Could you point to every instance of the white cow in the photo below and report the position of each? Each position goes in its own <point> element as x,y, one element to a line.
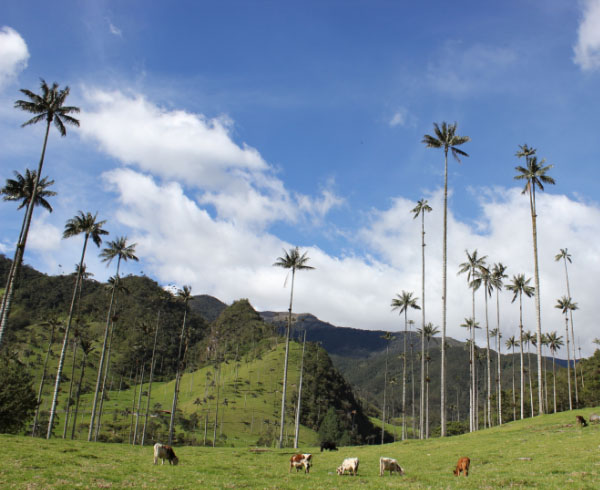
<point>300,461</point>
<point>389,464</point>
<point>162,451</point>
<point>350,465</point>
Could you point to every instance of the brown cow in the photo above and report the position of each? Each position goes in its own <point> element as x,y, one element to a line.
<point>300,461</point>
<point>162,451</point>
<point>462,466</point>
<point>581,421</point>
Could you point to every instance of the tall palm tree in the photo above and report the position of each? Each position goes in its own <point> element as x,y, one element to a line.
<point>555,342</point>
<point>565,304</point>
<point>519,286</point>
<point>21,189</point>
<point>403,302</point>
<point>565,256</point>
<point>48,106</point>
<point>534,173</point>
<point>184,295</point>
<point>446,138</point>
<point>388,338</point>
<point>511,343</point>
<point>471,267</point>
<point>87,224</point>
<point>123,252</point>
<point>485,276</point>
<point>529,338</point>
<point>53,323</point>
<point>295,261</point>
<point>421,208</point>
<point>497,281</point>
<point>428,332</point>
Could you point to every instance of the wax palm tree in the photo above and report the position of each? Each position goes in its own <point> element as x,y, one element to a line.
<point>421,208</point>
<point>403,302</point>
<point>295,261</point>
<point>535,175</point>
<point>446,138</point>
<point>184,295</point>
<point>87,224</point>
<point>49,107</point>
<point>471,267</point>
<point>427,332</point>
<point>530,339</point>
<point>555,342</point>
<point>519,286</point>
<point>497,281</point>
<point>52,323</point>
<point>120,250</point>
<point>565,256</point>
<point>565,304</point>
<point>511,343</point>
<point>21,189</point>
<point>484,275</point>
<point>388,337</point>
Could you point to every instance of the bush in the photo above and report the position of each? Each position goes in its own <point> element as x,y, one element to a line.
<point>17,396</point>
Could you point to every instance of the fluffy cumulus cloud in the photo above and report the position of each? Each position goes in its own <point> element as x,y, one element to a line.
<point>587,49</point>
<point>13,55</point>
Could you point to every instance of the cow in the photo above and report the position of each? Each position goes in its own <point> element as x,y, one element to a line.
<point>390,464</point>
<point>163,452</point>
<point>330,446</point>
<point>462,466</point>
<point>300,461</point>
<point>581,421</point>
<point>350,465</point>
<point>594,418</point>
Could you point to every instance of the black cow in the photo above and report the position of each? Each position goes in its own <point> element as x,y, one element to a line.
<point>330,446</point>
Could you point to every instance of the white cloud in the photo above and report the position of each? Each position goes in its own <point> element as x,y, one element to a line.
<point>114,30</point>
<point>43,236</point>
<point>13,55</point>
<point>587,49</point>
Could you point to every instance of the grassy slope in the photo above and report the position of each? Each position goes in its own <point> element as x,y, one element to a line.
<point>545,452</point>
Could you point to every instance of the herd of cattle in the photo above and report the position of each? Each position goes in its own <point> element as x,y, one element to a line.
<point>304,462</point>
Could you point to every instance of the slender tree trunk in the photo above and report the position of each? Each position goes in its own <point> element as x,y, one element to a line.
<point>412,383</point>
<point>83,361</point>
<point>137,410</point>
<point>101,363</point>
<point>297,431</point>
<point>384,397</point>
<point>177,378</point>
<point>403,376</point>
<point>537,298</point>
<point>218,376</point>
<point>513,385</point>
<point>572,335</point>
<point>499,347</point>
<point>70,389</point>
<point>285,365</point>
<point>422,398</point>
<point>42,381</point>
<point>554,377</point>
<point>427,396</point>
<point>546,385</point>
<point>151,377</point>
<point>134,390</point>
<point>489,369</point>
<point>444,271</point>
<point>20,250</point>
<point>105,377</point>
<point>529,376</point>
<point>568,362</point>
<point>63,352</point>
<point>521,348</point>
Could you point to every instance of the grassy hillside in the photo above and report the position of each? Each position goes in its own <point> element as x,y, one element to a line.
<point>545,452</point>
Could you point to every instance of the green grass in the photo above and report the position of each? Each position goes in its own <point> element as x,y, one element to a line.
<point>545,452</point>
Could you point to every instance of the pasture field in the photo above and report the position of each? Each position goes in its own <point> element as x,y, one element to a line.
<point>550,451</point>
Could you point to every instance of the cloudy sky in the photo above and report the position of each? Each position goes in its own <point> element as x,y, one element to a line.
<point>215,135</point>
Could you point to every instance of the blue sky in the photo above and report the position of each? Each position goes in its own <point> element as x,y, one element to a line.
<point>215,134</point>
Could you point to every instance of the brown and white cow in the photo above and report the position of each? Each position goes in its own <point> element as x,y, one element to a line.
<point>300,461</point>
<point>163,452</point>
<point>350,465</point>
<point>462,466</point>
<point>389,464</point>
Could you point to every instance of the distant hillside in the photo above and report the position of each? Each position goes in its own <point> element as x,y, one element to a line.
<point>208,307</point>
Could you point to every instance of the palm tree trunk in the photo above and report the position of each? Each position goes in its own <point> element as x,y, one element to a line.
<point>529,376</point>
<point>131,441</point>
<point>537,298</point>
<point>65,341</point>
<point>83,361</point>
<point>151,377</point>
<point>70,388</point>
<point>444,270</point>
<point>102,355</point>
<point>572,335</point>
<point>403,377</point>
<point>554,377</point>
<point>499,347</point>
<point>422,398</point>
<point>285,365</point>
<point>20,250</point>
<point>105,377</point>
<point>137,410</point>
<point>218,376</point>
<point>177,379</point>
<point>42,381</point>
<point>427,396</point>
<point>489,370</point>
<point>521,348</point>
<point>513,385</point>
<point>297,431</point>
<point>412,383</point>
<point>384,396</point>
<point>546,385</point>
<point>568,362</point>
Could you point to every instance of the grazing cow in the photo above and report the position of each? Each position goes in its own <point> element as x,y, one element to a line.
<point>330,446</point>
<point>350,465</point>
<point>390,464</point>
<point>462,466</point>
<point>163,452</point>
<point>581,421</point>
<point>594,418</point>
<point>300,461</point>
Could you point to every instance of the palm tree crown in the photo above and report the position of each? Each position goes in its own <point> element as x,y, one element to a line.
<point>446,138</point>
<point>565,304</point>
<point>21,189</point>
<point>563,254</point>
<point>85,223</point>
<point>49,106</point>
<point>118,248</point>
<point>293,260</point>
<point>421,208</point>
<point>405,301</point>
<point>519,286</point>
